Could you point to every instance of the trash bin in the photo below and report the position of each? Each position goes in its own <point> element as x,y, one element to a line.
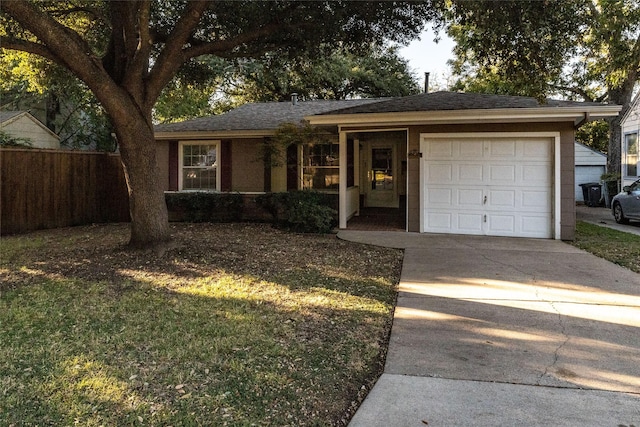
<point>592,193</point>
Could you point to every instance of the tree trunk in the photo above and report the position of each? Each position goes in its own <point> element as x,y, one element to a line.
<point>614,153</point>
<point>147,206</point>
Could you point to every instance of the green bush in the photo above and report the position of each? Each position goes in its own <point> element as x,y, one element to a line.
<point>10,141</point>
<point>206,206</point>
<point>300,211</point>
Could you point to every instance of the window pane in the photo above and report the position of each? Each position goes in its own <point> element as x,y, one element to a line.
<point>186,155</point>
<point>631,154</point>
<point>320,166</point>
<point>199,167</point>
<point>320,178</point>
<point>321,155</point>
<point>381,162</point>
<point>198,179</point>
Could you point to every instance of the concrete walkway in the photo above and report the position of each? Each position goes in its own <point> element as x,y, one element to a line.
<point>502,332</point>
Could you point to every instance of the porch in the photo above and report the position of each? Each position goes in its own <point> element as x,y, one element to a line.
<point>372,194</point>
<point>379,219</point>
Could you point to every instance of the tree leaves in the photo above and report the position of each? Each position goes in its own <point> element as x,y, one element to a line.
<point>586,50</point>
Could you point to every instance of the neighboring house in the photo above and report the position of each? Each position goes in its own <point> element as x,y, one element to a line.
<point>630,133</point>
<point>590,166</point>
<point>450,162</point>
<point>21,124</point>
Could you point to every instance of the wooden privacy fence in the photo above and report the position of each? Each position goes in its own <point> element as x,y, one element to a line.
<point>50,189</point>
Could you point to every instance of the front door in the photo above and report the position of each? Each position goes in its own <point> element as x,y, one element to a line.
<point>382,188</point>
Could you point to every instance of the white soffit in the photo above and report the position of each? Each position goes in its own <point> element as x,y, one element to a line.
<point>507,115</point>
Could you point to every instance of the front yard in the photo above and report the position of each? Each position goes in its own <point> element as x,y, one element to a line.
<point>237,325</point>
<point>615,246</point>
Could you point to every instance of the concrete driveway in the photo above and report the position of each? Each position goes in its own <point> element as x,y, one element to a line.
<point>502,332</point>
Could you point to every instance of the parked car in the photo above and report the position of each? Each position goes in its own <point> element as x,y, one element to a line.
<point>626,205</point>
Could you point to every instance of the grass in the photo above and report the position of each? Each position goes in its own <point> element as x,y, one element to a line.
<point>238,325</point>
<point>613,245</point>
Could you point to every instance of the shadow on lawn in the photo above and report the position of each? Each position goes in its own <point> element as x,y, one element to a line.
<point>282,329</point>
<point>87,354</point>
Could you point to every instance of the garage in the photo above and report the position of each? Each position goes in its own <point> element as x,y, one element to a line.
<point>488,184</point>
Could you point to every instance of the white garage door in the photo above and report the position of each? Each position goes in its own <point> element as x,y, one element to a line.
<point>498,186</point>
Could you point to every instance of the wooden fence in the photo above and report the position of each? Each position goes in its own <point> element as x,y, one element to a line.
<point>50,189</point>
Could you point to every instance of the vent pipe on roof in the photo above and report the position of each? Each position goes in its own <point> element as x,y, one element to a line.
<point>426,82</point>
<point>294,99</point>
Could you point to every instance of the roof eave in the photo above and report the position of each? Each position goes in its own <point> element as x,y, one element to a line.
<point>506,115</point>
<point>213,134</point>
<point>635,103</point>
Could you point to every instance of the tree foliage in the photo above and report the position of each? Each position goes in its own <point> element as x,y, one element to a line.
<point>594,134</point>
<point>127,52</point>
<point>53,95</point>
<point>211,85</point>
<point>8,140</point>
<point>580,49</point>
<point>511,47</point>
<point>375,71</point>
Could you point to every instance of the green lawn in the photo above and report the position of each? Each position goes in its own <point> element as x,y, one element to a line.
<point>238,325</point>
<point>613,245</point>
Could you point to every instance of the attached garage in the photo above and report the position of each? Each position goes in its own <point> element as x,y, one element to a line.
<point>488,184</point>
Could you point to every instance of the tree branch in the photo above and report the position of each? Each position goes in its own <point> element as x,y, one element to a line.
<point>578,91</point>
<point>140,48</point>
<point>27,46</point>
<point>65,47</point>
<point>219,46</point>
<point>86,9</point>
<point>172,57</point>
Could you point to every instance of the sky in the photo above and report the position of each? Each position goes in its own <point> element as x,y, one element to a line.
<point>425,55</point>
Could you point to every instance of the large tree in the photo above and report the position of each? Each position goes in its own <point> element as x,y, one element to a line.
<point>126,52</point>
<point>580,49</point>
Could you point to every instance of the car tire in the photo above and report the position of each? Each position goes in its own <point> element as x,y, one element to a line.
<point>618,215</point>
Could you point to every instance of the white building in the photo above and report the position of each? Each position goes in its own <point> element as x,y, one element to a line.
<point>630,130</point>
<point>590,166</point>
<point>21,124</point>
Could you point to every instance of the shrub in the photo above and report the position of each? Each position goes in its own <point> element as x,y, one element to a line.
<point>205,206</point>
<point>300,211</point>
<point>8,140</point>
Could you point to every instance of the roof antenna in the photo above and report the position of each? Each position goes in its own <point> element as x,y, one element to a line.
<point>294,99</point>
<point>426,82</point>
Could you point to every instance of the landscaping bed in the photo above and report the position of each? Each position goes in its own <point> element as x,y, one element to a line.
<point>237,324</point>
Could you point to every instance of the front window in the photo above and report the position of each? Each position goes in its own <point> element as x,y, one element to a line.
<point>199,166</point>
<point>320,166</point>
<point>631,154</point>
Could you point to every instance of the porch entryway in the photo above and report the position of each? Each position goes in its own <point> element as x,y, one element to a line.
<point>378,195</point>
<point>379,219</point>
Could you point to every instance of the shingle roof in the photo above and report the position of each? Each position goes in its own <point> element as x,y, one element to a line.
<point>442,101</point>
<point>270,115</point>
<point>8,115</point>
<point>261,116</point>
